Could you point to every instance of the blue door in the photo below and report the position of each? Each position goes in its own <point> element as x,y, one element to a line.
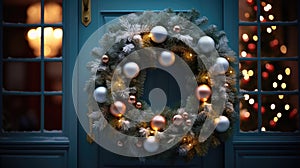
<point>92,155</point>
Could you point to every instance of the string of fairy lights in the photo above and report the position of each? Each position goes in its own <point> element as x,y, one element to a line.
<point>273,76</point>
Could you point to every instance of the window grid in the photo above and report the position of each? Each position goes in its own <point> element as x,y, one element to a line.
<point>259,60</point>
<point>42,60</point>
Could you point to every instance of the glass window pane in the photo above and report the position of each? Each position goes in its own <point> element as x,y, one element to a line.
<point>17,44</point>
<point>53,76</point>
<point>17,11</point>
<point>53,42</point>
<point>248,113</point>
<point>53,11</point>
<point>279,41</point>
<point>21,113</point>
<point>21,76</point>
<point>279,75</point>
<point>53,113</point>
<point>279,10</point>
<point>248,41</point>
<point>249,77</point>
<point>281,113</point>
<point>247,10</point>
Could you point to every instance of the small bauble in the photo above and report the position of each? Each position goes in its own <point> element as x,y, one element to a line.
<point>176,29</point>
<point>188,122</point>
<point>138,105</point>
<point>100,94</point>
<point>203,92</point>
<point>158,122</point>
<point>158,34</point>
<point>178,120</point>
<point>105,59</point>
<point>131,69</point>
<point>120,144</point>
<point>167,58</point>
<point>185,115</point>
<point>117,109</point>
<point>206,44</point>
<point>223,123</point>
<point>221,65</point>
<point>132,99</point>
<point>151,144</point>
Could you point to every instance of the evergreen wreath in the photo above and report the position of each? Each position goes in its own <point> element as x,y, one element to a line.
<point>137,31</point>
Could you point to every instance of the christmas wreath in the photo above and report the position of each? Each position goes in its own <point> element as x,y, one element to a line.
<point>161,39</point>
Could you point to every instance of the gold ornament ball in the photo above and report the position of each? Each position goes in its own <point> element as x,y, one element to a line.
<point>117,109</point>
<point>158,122</point>
<point>203,92</point>
<point>132,99</point>
<point>105,59</point>
<point>178,120</point>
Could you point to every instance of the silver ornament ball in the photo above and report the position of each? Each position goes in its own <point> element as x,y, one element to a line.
<point>131,69</point>
<point>221,66</point>
<point>100,94</point>
<point>167,58</point>
<point>158,34</point>
<point>178,120</point>
<point>206,44</point>
<point>151,144</point>
<point>223,123</point>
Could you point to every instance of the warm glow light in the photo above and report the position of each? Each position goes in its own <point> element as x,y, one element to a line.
<point>279,115</point>
<point>250,73</point>
<point>280,77</point>
<point>245,37</point>
<point>263,129</point>
<point>272,106</point>
<point>287,107</point>
<point>273,27</point>
<point>280,96</point>
<point>263,3</point>
<point>243,53</point>
<point>246,96</point>
<point>247,15</point>
<point>255,37</point>
<point>271,17</point>
<point>283,85</point>
<point>246,77</point>
<point>287,71</point>
<point>52,36</point>
<point>269,30</point>
<point>251,101</point>
<point>275,119</point>
<point>275,84</point>
<point>244,72</point>
<point>261,18</point>
<point>268,7</point>
<point>283,49</point>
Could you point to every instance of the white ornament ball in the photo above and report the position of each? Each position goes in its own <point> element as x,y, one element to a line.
<point>221,65</point>
<point>166,58</point>
<point>100,94</point>
<point>158,34</point>
<point>151,144</point>
<point>223,123</point>
<point>206,44</point>
<point>131,69</point>
<point>176,29</point>
<point>178,120</point>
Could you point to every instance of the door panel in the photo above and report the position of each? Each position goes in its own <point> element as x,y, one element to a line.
<point>92,155</point>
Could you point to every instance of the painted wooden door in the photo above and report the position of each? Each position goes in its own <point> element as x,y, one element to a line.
<point>92,155</point>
